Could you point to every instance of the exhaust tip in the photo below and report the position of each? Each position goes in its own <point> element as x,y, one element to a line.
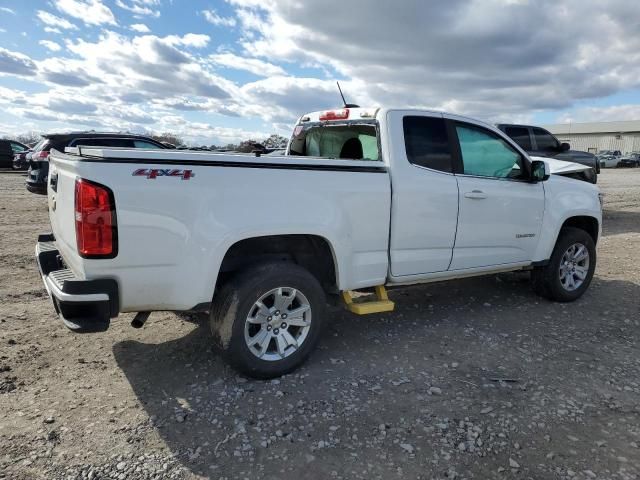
<point>140,319</point>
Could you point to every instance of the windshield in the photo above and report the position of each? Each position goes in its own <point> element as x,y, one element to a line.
<point>40,145</point>
<point>355,141</point>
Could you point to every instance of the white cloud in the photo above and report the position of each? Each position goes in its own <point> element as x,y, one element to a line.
<point>283,99</point>
<point>212,17</point>
<point>52,30</point>
<point>52,46</point>
<point>196,131</point>
<point>15,63</point>
<point>54,23</point>
<point>483,58</point>
<point>146,67</point>
<point>91,12</point>
<point>141,8</point>
<point>7,10</point>
<point>253,65</point>
<point>9,95</point>
<point>139,27</point>
<point>197,40</point>
<point>602,114</point>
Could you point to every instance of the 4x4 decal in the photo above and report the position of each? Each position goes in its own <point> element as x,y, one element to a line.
<point>153,173</point>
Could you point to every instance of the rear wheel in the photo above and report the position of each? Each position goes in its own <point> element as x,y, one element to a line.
<point>570,270</point>
<point>268,319</point>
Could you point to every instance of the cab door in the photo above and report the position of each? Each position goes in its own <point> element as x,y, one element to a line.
<point>500,209</point>
<point>424,205</point>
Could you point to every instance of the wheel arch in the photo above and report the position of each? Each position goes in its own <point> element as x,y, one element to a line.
<point>551,228</point>
<point>589,224</point>
<point>311,251</point>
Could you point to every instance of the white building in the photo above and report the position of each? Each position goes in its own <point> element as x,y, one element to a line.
<point>593,137</point>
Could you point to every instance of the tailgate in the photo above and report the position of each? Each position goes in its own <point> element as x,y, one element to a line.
<point>60,195</point>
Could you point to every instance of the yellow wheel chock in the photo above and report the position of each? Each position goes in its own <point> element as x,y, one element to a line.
<point>382,304</point>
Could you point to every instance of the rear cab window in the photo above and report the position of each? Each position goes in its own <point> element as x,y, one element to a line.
<point>427,143</point>
<point>352,140</point>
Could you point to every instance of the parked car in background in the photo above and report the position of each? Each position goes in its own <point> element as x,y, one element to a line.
<point>630,160</point>
<point>21,160</point>
<point>39,162</point>
<point>539,142</point>
<point>608,161</point>
<point>609,153</point>
<point>9,148</point>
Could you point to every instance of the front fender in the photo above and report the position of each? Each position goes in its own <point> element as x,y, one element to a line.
<point>565,198</point>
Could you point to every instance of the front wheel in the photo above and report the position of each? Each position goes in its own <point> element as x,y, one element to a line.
<point>268,319</point>
<point>570,270</point>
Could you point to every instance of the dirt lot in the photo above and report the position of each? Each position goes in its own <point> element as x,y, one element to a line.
<point>470,379</point>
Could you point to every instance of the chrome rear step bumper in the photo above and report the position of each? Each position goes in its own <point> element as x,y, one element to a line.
<point>83,305</point>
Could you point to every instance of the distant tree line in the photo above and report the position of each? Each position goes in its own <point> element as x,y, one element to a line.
<point>25,138</point>
<point>247,146</point>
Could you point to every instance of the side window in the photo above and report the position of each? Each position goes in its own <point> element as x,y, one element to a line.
<point>520,135</point>
<point>485,154</point>
<point>17,148</point>
<point>544,140</point>
<point>427,143</point>
<point>143,144</point>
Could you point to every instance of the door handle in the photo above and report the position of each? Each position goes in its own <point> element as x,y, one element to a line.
<point>476,194</point>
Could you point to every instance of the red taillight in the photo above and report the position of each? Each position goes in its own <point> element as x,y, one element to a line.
<point>95,210</point>
<point>335,114</point>
<point>41,155</point>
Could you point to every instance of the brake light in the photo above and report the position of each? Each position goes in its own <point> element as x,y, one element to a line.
<point>335,114</point>
<point>95,211</point>
<point>41,155</point>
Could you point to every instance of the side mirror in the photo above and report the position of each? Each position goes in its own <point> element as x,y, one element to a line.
<point>564,147</point>
<point>540,171</point>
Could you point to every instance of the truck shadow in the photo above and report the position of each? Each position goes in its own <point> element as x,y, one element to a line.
<point>217,423</point>
<point>616,222</point>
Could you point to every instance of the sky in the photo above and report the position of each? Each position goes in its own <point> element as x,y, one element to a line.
<point>217,72</point>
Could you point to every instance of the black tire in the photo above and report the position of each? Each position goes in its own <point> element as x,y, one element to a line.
<point>235,301</point>
<point>546,280</point>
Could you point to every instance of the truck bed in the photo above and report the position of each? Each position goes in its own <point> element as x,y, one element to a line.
<point>178,213</point>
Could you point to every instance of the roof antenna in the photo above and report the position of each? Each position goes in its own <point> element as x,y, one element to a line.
<point>346,105</point>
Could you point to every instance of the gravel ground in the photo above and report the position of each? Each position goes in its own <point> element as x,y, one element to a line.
<point>476,378</point>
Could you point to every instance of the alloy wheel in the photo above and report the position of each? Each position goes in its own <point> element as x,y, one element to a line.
<point>574,267</point>
<point>278,323</point>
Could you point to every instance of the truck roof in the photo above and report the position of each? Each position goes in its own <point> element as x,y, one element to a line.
<point>371,113</point>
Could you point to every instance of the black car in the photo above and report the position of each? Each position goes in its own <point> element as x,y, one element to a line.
<point>21,160</point>
<point>539,142</point>
<point>39,162</point>
<point>631,160</point>
<point>8,149</point>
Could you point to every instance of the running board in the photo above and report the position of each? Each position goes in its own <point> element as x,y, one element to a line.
<point>382,304</point>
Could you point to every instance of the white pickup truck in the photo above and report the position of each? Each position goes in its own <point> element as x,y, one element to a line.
<point>364,198</point>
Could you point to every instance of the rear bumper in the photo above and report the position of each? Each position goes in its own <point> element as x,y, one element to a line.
<point>37,178</point>
<point>37,188</point>
<point>83,305</point>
